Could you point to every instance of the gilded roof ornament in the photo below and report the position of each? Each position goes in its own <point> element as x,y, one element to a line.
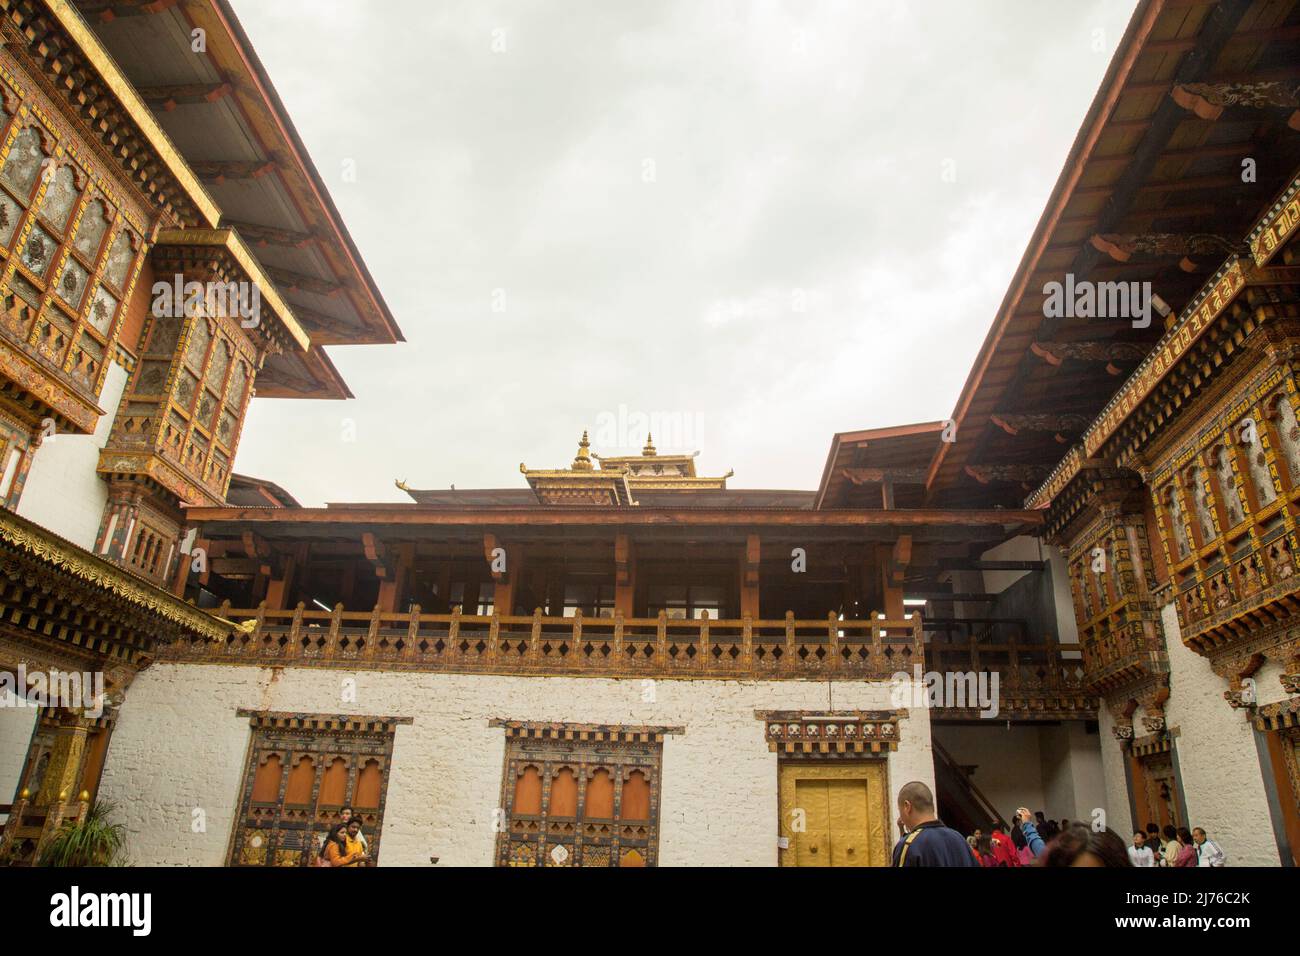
<point>649,448</point>
<point>582,461</point>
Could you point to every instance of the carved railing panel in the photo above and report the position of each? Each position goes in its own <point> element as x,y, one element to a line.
<point>873,649</point>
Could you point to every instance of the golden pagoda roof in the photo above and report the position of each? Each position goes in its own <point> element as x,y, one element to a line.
<point>618,478</point>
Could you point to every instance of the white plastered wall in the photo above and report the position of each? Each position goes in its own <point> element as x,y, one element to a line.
<point>63,491</point>
<point>1217,759</point>
<point>179,745</point>
<point>16,726</point>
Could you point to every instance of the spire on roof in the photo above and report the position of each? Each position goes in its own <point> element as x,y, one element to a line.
<point>649,448</point>
<point>582,460</point>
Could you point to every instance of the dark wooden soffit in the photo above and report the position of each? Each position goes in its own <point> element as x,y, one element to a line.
<point>230,81</point>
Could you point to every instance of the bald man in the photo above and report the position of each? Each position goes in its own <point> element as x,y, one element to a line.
<point>926,841</point>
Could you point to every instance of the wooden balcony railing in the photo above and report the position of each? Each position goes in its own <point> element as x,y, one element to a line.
<point>1036,680</point>
<point>874,649</point>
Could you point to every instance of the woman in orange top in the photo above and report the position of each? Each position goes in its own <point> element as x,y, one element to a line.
<point>336,847</point>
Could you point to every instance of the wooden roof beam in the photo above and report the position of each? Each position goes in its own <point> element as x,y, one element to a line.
<point>1122,247</point>
<point>218,171</point>
<point>1209,100</point>
<point>1030,475</point>
<point>1054,353</point>
<point>867,476</point>
<point>296,280</point>
<point>1061,425</point>
<point>260,235</point>
<point>167,98</point>
<point>106,11</point>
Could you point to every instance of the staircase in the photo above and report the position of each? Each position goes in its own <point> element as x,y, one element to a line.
<point>961,805</point>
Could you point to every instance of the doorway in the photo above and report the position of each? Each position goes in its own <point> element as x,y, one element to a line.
<point>834,813</point>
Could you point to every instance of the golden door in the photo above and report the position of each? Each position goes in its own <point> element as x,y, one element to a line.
<point>834,814</point>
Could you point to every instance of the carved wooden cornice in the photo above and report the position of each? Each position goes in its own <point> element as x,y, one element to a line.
<point>610,734</point>
<point>1277,226</point>
<point>1280,716</point>
<point>1159,742</point>
<point>803,733</point>
<point>29,544</point>
<point>335,725</point>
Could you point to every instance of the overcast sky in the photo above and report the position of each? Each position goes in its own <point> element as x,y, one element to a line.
<point>753,223</point>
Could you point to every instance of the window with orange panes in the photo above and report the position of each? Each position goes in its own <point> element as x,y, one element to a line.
<point>580,797</point>
<point>302,771</point>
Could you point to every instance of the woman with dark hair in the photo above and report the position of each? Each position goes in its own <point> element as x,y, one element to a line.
<point>1154,841</point>
<point>984,850</point>
<point>1081,846</point>
<point>1021,845</point>
<point>335,850</point>
<point>1186,848</point>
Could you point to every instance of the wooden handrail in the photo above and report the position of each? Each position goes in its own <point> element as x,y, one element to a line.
<point>984,802</point>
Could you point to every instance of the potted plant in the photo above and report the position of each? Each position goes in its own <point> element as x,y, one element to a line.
<point>94,841</point>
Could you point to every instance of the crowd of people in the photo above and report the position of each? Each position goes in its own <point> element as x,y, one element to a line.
<point>1033,840</point>
<point>345,844</point>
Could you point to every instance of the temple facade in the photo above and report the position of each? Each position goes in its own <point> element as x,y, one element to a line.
<point>1075,593</point>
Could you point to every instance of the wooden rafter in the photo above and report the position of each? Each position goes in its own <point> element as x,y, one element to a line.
<point>218,171</point>
<point>167,98</point>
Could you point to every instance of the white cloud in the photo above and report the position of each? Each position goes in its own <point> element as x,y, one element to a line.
<point>797,154</point>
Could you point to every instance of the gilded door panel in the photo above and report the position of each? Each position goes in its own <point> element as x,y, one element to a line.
<point>848,802</point>
<point>813,799</point>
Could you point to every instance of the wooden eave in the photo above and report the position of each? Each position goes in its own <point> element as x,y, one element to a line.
<point>1141,164</point>
<point>893,446</point>
<point>98,91</point>
<point>342,521</point>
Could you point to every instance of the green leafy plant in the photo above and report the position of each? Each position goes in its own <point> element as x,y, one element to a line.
<point>94,841</point>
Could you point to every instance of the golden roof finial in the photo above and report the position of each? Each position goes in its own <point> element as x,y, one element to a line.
<point>582,460</point>
<point>649,448</point>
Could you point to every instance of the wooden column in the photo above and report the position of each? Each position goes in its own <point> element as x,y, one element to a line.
<point>750,562</point>
<point>506,581</point>
<point>393,587</point>
<point>280,587</point>
<point>893,566</point>
<point>624,576</point>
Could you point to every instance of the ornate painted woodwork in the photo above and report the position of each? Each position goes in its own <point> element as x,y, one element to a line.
<point>64,609</point>
<point>71,245</point>
<point>842,734</point>
<point>64,56</point>
<point>58,780</point>
<point>1226,499</point>
<point>580,794</point>
<point>179,423</point>
<point>1099,522</point>
<point>302,769</point>
<point>1155,782</point>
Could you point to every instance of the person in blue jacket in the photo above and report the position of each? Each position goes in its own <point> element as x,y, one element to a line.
<point>926,841</point>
